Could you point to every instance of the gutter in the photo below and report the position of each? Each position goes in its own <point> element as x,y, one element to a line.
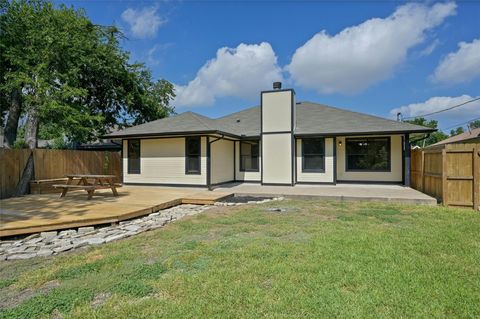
<point>209,164</point>
<point>172,134</point>
<point>364,133</point>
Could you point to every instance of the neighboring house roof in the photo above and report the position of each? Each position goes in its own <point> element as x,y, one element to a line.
<point>311,118</point>
<point>467,137</point>
<point>100,145</point>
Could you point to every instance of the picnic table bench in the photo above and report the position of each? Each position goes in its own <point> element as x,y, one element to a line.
<point>96,182</point>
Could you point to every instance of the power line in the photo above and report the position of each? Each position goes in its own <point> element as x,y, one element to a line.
<point>440,111</point>
<point>460,124</point>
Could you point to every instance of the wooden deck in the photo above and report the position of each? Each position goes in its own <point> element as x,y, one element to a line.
<point>35,213</point>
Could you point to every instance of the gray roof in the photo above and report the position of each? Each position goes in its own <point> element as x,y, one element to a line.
<point>188,122</point>
<point>312,118</point>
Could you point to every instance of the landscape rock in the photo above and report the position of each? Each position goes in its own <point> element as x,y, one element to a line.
<point>21,256</point>
<point>36,235</point>
<point>34,240</point>
<point>52,242</point>
<point>44,252</point>
<point>62,248</point>
<point>115,237</point>
<point>83,230</point>
<point>132,227</point>
<point>68,232</point>
<point>48,234</point>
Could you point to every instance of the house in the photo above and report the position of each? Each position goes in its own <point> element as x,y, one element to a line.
<point>472,136</point>
<point>280,142</point>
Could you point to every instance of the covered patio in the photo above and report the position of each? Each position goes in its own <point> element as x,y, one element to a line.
<point>341,191</point>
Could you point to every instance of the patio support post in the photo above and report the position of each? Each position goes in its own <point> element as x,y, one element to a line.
<point>208,164</point>
<point>209,161</point>
<point>406,160</point>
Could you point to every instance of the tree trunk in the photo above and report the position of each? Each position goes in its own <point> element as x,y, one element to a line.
<point>31,131</point>
<point>14,112</point>
<point>23,186</point>
<point>31,128</point>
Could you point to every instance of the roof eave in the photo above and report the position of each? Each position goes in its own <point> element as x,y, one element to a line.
<point>365,133</point>
<point>173,134</point>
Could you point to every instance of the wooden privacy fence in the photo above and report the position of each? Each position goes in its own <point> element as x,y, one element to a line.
<point>450,174</point>
<point>53,164</point>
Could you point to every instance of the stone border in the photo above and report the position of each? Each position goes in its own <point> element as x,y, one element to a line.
<point>266,200</point>
<point>52,242</point>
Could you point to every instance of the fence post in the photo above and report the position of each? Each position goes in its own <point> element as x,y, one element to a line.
<point>422,170</point>
<point>476,178</point>
<point>444,178</point>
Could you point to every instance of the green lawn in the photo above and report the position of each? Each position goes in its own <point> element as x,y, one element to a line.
<point>318,259</point>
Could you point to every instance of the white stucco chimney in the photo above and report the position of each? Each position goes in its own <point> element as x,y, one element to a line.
<point>277,125</point>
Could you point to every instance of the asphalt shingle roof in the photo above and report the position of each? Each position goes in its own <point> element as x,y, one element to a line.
<point>312,118</point>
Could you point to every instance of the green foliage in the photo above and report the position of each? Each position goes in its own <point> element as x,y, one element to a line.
<point>458,130</point>
<point>79,270</point>
<point>6,282</point>
<point>434,137</point>
<point>474,124</point>
<point>50,131</point>
<point>73,73</point>
<point>20,144</point>
<point>148,271</point>
<point>42,305</point>
<point>59,143</point>
<point>133,288</point>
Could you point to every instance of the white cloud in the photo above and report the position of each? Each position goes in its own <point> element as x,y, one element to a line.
<point>144,23</point>
<point>460,66</point>
<point>238,72</point>
<point>430,48</point>
<point>362,55</point>
<point>156,52</point>
<point>456,115</point>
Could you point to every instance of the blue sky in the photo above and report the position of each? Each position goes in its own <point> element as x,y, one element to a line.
<point>372,57</point>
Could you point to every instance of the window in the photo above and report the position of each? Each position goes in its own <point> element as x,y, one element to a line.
<point>368,154</point>
<point>133,156</point>
<point>192,155</point>
<point>249,156</point>
<point>313,155</point>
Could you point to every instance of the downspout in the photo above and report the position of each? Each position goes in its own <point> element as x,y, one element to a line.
<point>406,160</point>
<point>421,139</point>
<point>209,164</point>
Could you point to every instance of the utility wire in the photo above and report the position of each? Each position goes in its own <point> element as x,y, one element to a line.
<point>440,111</point>
<point>460,124</point>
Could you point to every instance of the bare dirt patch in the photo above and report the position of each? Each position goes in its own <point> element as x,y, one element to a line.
<point>9,298</point>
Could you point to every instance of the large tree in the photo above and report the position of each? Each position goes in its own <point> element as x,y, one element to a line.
<point>58,68</point>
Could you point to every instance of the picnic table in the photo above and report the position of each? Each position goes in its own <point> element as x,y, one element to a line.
<point>89,183</point>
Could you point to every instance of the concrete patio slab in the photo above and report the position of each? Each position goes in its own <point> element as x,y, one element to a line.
<point>359,192</point>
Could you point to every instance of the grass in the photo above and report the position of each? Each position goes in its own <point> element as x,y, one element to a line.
<point>318,259</point>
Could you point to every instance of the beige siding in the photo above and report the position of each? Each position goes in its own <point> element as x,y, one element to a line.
<point>221,153</point>
<point>395,174</point>
<point>246,176</point>
<point>277,158</point>
<point>163,162</point>
<point>277,111</point>
<point>316,177</point>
